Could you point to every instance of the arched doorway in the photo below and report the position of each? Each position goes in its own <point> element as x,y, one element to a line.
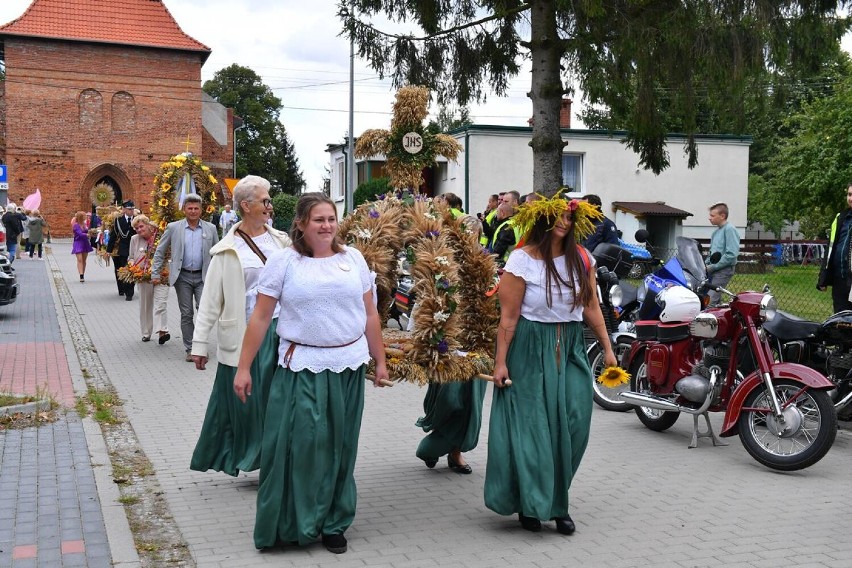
<point>110,175</point>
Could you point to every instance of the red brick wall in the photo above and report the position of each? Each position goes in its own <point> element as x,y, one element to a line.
<point>140,105</point>
<point>2,122</point>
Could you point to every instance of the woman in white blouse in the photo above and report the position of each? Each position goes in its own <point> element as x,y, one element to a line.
<point>230,439</point>
<point>539,425</point>
<point>329,328</point>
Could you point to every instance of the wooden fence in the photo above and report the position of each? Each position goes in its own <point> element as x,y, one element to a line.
<point>758,256</point>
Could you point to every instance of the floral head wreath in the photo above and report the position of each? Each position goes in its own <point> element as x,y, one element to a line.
<point>584,214</point>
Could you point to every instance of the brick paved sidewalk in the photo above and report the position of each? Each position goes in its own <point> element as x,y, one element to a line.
<point>640,498</point>
<point>50,510</point>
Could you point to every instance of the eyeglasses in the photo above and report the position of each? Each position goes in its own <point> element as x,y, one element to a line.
<point>266,202</point>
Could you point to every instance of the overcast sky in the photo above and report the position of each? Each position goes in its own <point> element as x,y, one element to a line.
<point>293,45</point>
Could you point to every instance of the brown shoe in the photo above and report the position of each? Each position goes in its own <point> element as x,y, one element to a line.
<point>188,357</point>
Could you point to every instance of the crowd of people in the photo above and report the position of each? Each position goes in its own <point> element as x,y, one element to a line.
<point>296,326</point>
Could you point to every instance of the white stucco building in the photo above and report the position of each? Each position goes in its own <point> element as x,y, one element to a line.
<point>498,158</point>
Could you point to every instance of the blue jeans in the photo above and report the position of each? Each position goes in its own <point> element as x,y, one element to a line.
<point>12,247</point>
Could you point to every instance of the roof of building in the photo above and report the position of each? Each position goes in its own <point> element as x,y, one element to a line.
<point>146,23</point>
<point>650,209</point>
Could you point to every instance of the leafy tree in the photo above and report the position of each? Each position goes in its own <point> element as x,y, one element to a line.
<point>652,63</point>
<point>368,190</point>
<point>807,176</point>
<point>263,147</point>
<point>447,119</point>
<point>284,210</point>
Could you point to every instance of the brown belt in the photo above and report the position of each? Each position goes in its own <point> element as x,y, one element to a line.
<point>288,356</point>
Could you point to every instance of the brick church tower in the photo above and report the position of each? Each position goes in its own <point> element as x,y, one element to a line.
<point>102,91</point>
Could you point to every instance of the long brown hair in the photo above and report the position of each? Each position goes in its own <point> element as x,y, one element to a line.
<point>304,206</point>
<point>541,237</point>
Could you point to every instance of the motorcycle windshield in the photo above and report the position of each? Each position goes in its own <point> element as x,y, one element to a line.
<point>690,258</point>
<point>672,270</point>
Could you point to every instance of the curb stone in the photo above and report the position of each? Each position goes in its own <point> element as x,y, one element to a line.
<point>25,408</point>
<point>119,536</point>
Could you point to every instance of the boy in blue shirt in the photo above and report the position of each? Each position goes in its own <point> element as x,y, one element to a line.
<point>726,241</point>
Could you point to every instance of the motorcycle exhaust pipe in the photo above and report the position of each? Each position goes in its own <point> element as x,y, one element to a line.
<point>843,402</point>
<point>651,401</point>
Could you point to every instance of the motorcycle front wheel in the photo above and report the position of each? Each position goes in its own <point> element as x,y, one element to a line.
<point>605,397</point>
<point>653,419</point>
<point>805,436</point>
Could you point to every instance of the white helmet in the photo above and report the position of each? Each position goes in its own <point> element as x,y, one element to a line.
<point>679,304</point>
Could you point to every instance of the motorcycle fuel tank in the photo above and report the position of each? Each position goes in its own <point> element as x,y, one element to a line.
<point>838,328</point>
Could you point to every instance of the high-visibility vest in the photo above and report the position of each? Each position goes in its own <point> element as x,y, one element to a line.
<point>517,230</point>
<point>483,240</point>
<point>456,213</point>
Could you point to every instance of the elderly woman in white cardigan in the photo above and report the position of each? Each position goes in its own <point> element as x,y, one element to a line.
<point>231,435</point>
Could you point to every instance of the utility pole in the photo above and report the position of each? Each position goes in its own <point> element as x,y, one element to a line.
<point>350,162</point>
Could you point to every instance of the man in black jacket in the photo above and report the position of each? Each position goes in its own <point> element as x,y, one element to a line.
<point>119,240</point>
<point>605,230</point>
<point>14,228</point>
<point>836,269</point>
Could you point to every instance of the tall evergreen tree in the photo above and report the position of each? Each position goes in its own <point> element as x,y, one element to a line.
<point>650,62</point>
<point>263,147</point>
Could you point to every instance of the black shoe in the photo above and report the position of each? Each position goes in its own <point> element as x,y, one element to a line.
<point>565,525</point>
<point>529,523</point>
<point>128,298</point>
<point>335,543</point>
<point>457,467</point>
<point>163,338</point>
<point>430,463</point>
<point>121,293</point>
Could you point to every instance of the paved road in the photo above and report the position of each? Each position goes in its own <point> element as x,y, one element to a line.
<point>640,498</point>
<point>50,510</point>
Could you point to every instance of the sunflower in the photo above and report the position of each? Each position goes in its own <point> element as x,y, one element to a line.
<point>163,202</point>
<point>166,187</point>
<point>613,377</point>
<point>212,179</point>
<point>210,209</point>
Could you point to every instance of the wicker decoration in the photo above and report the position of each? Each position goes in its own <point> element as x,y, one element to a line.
<point>171,179</point>
<point>102,195</point>
<point>406,169</point>
<point>455,322</point>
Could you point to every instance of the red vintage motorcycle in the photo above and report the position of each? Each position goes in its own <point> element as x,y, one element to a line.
<point>719,360</point>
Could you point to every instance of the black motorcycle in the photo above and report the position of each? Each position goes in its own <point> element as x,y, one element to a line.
<point>619,305</point>
<point>826,347</point>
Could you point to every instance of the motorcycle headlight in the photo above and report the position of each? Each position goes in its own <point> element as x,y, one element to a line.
<point>616,295</point>
<point>768,307</point>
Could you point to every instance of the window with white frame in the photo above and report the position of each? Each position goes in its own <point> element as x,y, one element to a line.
<point>572,171</point>
<point>340,187</point>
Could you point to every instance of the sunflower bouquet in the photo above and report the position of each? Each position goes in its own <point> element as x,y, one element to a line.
<point>613,377</point>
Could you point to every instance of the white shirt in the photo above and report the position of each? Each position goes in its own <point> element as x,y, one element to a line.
<point>322,307</point>
<point>534,306</point>
<point>252,266</point>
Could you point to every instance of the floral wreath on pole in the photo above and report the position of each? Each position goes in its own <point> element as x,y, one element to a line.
<point>181,175</point>
<point>455,321</point>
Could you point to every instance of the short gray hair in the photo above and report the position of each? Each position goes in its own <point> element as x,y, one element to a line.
<point>246,188</point>
<point>11,207</point>
<point>191,198</point>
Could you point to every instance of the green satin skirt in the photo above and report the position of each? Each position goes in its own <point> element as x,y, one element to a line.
<point>232,431</point>
<point>453,418</point>
<point>539,425</point>
<point>307,463</point>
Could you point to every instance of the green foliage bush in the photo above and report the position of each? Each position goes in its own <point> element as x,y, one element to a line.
<point>284,206</point>
<point>368,190</point>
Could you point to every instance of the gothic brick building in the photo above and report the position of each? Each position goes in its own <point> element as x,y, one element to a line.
<point>102,91</point>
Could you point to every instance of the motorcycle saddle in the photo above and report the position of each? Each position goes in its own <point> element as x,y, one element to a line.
<point>788,327</point>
